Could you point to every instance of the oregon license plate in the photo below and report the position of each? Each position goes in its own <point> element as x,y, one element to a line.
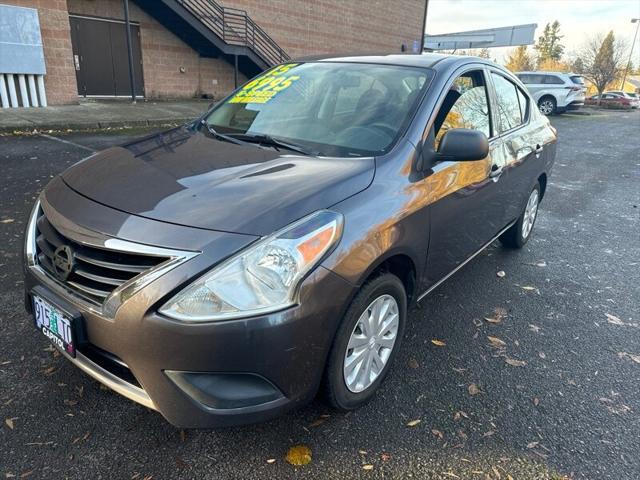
<point>55,325</point>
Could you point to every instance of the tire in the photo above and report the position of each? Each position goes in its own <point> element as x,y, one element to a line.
<point>547,105</point>
<point>339,393</point>
<point>520,232</point>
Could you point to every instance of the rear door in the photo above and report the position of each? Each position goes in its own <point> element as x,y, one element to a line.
<point>518,145</point>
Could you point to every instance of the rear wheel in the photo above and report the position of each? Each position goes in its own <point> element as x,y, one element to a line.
<point>519,233</point>
<point>547,105</point>
<point>366,343</point>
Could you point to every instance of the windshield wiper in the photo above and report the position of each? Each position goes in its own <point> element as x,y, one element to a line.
<point>265,139</point>
<point>225,138</point>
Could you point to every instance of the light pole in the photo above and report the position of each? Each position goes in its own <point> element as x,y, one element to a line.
<point>624,78</point>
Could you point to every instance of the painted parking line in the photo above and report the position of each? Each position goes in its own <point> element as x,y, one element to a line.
<point>67,142</point>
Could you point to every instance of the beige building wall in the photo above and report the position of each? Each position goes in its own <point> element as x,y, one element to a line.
<point>164,54</point>
<point>309,27</point>
<point>171,68</point>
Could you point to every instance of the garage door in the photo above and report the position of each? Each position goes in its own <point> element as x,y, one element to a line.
<point>100,57</point>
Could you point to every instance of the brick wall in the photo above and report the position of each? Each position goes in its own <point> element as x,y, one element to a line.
<point>301,27</point>
<point>308,27</point>
<point>60,80</point>
<point>163,54</point>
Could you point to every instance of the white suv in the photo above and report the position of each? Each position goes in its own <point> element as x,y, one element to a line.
<point>555,92</point>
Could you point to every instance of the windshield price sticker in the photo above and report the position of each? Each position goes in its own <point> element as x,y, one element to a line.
<point>266,87</point>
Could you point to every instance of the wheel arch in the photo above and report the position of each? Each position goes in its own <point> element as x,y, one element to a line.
<point>398,263</point>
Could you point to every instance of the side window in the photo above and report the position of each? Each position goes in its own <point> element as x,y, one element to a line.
<point>508,107</point>
<point>524,105</point>
<point>536,79</point>
<point>552,80</point>
<point>465,105</point>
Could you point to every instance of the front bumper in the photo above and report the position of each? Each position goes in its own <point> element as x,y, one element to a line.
<point>146,357</point>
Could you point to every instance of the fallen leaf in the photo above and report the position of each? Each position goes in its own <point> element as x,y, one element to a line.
<point>635,358</point>
<point>515,363</point>
<point>438,343</point>
<point>413,423</point>
<point>542,355</point>
<point>501,274</point>
<point>450,474</point>
<point>462,435</point>
<point>473,389</point>
<point>496,342</point>
<point>413,363</point>
<point>7,220</point>
<point>529,288</point>
<point>437,433</point>
<point>10,422</point>
<point>318,422</point>
<point>271,460</point>
<point>499,314</point>
<point>385,457</point>
<point>489,433</point>
<point>534,328</point>
<point>367,467</point>
<point>460,414</point>
<point>532,444</point>
<point>362,452</point>
<point>70,403</point>
<point>299,455</point>
<point>536,401</point>
<point>541,263</point>
<point>613,319</point>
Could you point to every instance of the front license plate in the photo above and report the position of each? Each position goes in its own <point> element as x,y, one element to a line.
<point>55,325</point>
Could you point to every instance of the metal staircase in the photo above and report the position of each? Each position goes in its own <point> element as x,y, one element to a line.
<point>217,31</point>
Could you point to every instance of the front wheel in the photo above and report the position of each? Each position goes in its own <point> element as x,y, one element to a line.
<point>366,343</point>
<point>519,233</point>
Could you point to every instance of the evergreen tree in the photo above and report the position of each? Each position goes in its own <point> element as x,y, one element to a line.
<point>549,46</point>
<point>519,60</point>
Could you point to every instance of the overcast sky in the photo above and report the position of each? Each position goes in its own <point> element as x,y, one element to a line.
<point>578,18</point>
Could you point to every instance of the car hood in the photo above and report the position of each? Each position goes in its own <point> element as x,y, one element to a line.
<point>187,178</point>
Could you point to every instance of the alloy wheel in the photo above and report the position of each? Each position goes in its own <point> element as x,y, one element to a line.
<point>371,343</point>
<point>546,107</point>
<point>530,212</point>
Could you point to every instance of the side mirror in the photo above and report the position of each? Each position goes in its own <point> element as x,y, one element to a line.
<point>462,145</point>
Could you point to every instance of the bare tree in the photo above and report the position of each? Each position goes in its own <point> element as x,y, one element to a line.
<point>602,60</point>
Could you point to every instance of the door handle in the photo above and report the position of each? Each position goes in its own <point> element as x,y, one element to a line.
<point>496,171</point>
<point>538,150</point>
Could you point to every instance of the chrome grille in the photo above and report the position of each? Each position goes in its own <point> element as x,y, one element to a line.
<point>96,272</point>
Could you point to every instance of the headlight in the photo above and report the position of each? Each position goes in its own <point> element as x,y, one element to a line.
<point>261,279</point>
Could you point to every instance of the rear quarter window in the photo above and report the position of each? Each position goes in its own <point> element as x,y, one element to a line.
<point>577,79</point>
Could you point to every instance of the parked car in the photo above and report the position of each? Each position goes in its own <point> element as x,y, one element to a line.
<point>555,92</point>
<point>612,100</point>
<point>633,97</point>
<point>223,271</point>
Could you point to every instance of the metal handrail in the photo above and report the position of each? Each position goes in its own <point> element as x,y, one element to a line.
<point>235,27</point>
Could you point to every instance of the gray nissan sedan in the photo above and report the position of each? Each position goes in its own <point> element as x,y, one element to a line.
<point>224,271</point>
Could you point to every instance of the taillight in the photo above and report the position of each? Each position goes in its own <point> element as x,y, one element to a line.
<point>574,89</point>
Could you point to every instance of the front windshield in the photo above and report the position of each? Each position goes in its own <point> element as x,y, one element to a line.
<point>338,109</point>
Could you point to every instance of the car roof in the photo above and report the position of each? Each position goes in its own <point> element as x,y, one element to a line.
<point>428,60</point>
<point>542,72</point>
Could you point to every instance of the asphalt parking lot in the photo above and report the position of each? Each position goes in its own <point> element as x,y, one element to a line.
<point>552,393</point>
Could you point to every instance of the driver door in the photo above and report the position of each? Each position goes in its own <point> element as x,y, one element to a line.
<point>466,211</point>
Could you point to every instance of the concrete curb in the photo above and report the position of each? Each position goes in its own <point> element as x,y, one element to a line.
<point>97,125</point>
